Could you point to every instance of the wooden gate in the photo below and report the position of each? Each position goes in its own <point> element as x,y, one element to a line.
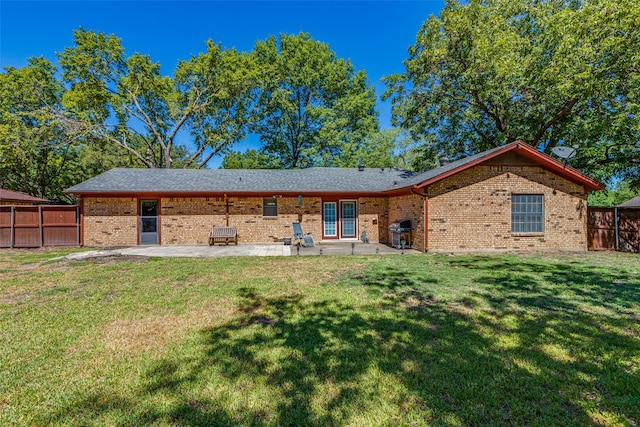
<point>614,229</point>
<point>38,226</point>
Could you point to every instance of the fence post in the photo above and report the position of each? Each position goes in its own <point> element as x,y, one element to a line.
<point>78,225</point>
<point>40,226</point>
<point>12,227</point>
<point>617,225</point>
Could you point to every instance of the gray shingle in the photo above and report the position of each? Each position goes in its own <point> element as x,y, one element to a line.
<point>251,180</point>
<point>433,173</point>
<point>631,203</point>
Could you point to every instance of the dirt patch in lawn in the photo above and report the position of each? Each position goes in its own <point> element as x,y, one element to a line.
<point>6,298</point>
<point>112,259</point>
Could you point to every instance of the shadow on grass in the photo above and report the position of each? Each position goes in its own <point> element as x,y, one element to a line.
<point>567,285</point>
<point>533,355</point>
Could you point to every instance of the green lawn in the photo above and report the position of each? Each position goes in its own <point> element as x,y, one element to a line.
<point>353,340</point>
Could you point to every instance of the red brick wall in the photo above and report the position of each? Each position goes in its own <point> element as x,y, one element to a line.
<point>246,214</point>
<point>110,221</point>
<point>472,210</point>
<point>409,207</point>
<point>189,220</point>
<point>373,218</point>
<point>113,221</point>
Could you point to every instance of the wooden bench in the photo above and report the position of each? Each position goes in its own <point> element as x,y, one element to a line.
<point>223,235</point>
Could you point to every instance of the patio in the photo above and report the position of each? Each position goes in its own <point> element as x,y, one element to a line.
<point>275,249</point>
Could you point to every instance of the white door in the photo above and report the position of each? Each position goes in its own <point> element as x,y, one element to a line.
<point>348,217</point>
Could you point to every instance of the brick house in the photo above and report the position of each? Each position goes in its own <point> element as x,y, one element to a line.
<point>511,197</point>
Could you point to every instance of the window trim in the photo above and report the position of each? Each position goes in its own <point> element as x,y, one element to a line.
<point>272,204</point>
<point>528,215</point>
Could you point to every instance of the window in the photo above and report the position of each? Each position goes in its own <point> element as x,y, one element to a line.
<point>269,206</point>
<point>527,213</point>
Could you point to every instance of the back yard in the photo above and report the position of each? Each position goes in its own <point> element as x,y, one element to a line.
<point>351,340</point>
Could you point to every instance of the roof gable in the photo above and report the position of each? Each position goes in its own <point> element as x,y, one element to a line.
<point>520,148</point>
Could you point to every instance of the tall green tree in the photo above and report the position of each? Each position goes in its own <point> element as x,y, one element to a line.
<point>547,72</point>
<point>125,100</point>
<point>616,195</point>
<point>313,106</point>
<point>250,159</point>
<point>376,150</point>
<point>36,155</point>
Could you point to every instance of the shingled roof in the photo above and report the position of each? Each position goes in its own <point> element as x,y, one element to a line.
<point>311,180</point>
<point>631,203</point>
<point>15,196</point>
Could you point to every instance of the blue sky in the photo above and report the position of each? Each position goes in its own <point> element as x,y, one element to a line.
<point>375,35</point>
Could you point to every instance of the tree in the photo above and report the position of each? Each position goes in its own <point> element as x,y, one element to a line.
<point>548,72</point>
<point>127,102</point>
<point>618,194</point>
<point>313,106</point>
<point>36,156</point>
<point>250,159</point>
<point>375,150</point>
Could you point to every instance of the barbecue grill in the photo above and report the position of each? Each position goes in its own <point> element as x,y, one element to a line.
<point>400,232</point>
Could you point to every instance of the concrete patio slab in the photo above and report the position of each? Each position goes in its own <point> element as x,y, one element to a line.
<point>349,248</point>
<point>275,249</point>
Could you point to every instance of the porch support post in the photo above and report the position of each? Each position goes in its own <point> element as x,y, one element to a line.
<point>226,203</point>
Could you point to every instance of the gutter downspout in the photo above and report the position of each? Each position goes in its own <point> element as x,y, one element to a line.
<point>426,215</point>
<point>81,223</point>
<point>226,203</point>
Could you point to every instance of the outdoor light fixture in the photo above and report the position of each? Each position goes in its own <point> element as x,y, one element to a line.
<point>353,245</point>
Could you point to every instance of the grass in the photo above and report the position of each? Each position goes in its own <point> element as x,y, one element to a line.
<point>353,340</point>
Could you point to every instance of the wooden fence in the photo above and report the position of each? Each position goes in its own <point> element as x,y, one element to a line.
<point>614,229</point>
<point>38,226</point>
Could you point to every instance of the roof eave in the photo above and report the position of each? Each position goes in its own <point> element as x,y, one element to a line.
<point>231,193</point>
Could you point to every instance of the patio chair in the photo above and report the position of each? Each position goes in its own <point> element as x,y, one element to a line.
<point>300,238</point>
